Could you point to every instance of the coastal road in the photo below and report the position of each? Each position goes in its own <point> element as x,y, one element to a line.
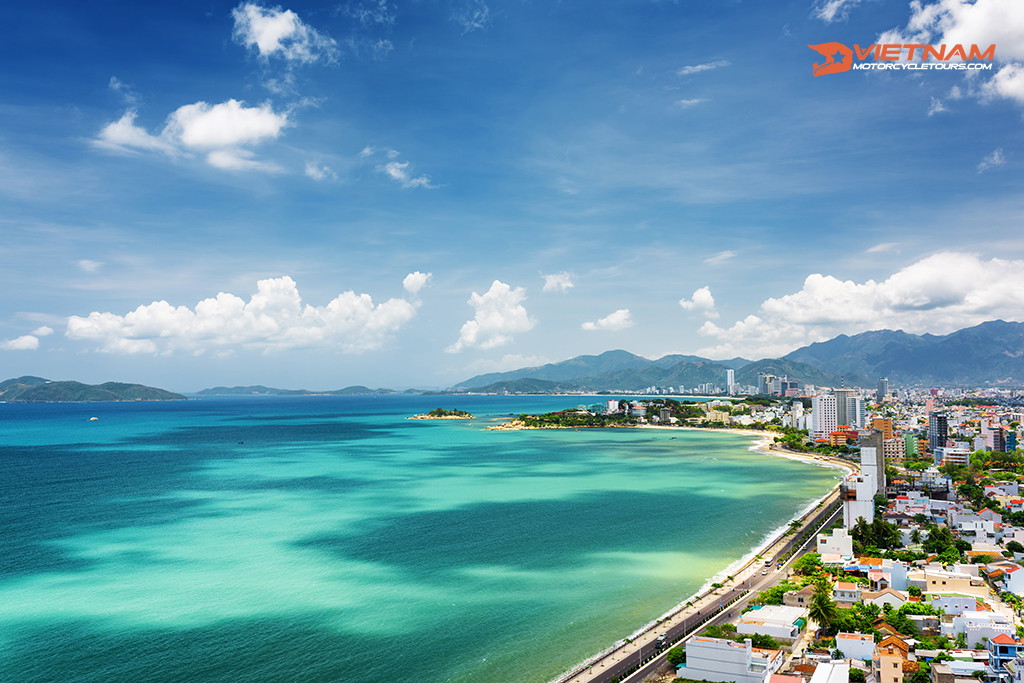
<point>757,584</point>
<point>631,660</point>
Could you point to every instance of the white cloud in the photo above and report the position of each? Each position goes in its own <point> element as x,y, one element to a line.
<point>320,171</point>
<point>831,11</point>
<point>499,314</point>
<point>239,160</point>
<point>274,318</point>
<point>416,281</point>
<point>472,15</point>
<point>367,151</point>
<point>967,22</point>
<point>44,331</point>
<point>280,33</point>
<point>227,124</point>
<point>686,104</point>
<point>557,282</point>
<point>720,257</point>
<point>125,137</point>
<point>398,171</point>
<point>1008,82</point>
<point>936,107</point>
<point>697,68</point>
<point>222,130</point>
<point>883,247</point>
<point>938,294</point>
<point>24,343</point>
<point>993,160</point>
<point>619,320</point>
<point>701,301</point>
<point>90,266</point>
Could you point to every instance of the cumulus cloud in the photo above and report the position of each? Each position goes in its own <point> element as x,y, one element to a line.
<point>499,314</point>
<point>701,301</point>
<point>274,318</point>
<point>416,281</point>
<point>557,282</point>
<point>222,131</point>
<point>697,68</point>
<point>686,104</point>
<point>274,32</point>
<point>981,22</point>
<point>24,343</point>
<point>938,294</point>
<point>619,320</point>
<point>44,331</point>
<point>993,160</point>
<point>831,11</point>
<point>720,257</point>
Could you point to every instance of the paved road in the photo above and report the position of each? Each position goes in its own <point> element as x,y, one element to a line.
<point>642,656</point>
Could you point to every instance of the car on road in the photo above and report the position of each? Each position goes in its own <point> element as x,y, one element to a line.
<point>764,572</point>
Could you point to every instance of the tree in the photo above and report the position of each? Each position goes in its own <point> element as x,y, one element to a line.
<point>823,608</point>
<point>856,676</point>
<point>676,655</point>
<point>809,564</point>
<point>914,591</point>
<point>915,536</point>
<point>1015,547</point>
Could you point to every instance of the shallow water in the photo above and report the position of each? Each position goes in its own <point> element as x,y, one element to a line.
<point>330,539</point>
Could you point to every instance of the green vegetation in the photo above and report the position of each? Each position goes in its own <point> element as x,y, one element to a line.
<point>676,655</point>
<point>809,564</point>
<point>39,390</point>
<point>773,595</point>
<point>444,413</point>
<point>728,632</point>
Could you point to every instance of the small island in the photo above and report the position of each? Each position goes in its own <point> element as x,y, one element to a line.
<point>443,414</point>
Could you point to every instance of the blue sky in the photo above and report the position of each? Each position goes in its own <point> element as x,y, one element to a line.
<point>410,193</point>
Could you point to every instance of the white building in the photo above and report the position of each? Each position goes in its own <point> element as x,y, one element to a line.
<point>977,626</point>
<point>823,415</point>
<point>831,672</point>
<point>856,645</point>
<point>839,543</point>
<point>777,621</point>
<point>717,659</point>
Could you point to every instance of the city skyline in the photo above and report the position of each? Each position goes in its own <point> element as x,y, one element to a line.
<point>410,194</point>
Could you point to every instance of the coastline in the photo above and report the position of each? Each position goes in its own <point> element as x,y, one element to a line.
<point>762,444</point>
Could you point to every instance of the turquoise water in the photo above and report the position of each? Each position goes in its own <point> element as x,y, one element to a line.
<point>330,539</point>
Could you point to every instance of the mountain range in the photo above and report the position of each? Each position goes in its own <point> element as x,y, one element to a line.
<point>991,353</point>
<point>30,389</point>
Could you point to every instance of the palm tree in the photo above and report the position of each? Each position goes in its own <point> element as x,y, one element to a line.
<point>823,608</point>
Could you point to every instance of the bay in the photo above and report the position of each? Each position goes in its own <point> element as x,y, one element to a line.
<point>331,539</point>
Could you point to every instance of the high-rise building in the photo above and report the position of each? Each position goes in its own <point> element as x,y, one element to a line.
<point>841,405</point>
<point>730,381</point>
<point>884,425</point>
<point>883,389</point>
<point>938,429</point>
<point>823,415</point>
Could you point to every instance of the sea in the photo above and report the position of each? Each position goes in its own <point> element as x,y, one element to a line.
<point>330,538</point>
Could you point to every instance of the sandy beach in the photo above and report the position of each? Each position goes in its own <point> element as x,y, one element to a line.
<point>739,570</point>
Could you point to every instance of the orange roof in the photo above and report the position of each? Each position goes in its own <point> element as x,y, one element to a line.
<point>1003,639</point>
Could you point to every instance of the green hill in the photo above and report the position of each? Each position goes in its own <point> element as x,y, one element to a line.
<point>39,390</point>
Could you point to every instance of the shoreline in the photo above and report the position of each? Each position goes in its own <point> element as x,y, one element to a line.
<point>763,445</point>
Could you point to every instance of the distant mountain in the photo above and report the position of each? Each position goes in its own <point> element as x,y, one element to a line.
<point>38,390</point>
<point>260,390</point>
<point>991,353</point>
<point>628,372</point>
